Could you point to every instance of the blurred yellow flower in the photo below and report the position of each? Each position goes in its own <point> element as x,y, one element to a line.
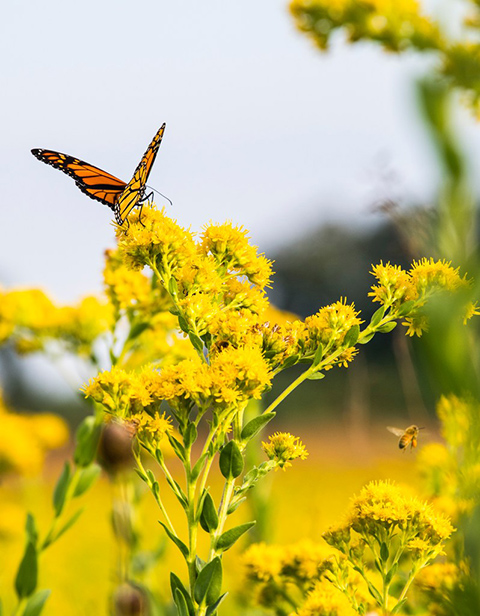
<point>25,440</point>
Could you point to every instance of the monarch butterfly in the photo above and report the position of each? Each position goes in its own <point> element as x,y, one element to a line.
<point>105,187</point>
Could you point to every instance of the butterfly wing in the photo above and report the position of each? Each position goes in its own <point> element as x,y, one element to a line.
<point>91,180</point>
<point>135,189</point>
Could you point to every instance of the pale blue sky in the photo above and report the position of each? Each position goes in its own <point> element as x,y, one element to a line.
<point>261,127</point>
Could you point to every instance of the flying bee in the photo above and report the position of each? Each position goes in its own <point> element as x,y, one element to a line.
<point>407,437</point>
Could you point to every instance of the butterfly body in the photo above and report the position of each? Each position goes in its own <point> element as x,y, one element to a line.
<point>120,196</point>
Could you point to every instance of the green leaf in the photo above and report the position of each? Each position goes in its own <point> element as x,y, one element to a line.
<point>196,470</point>
<point>316,376</point>
<point>190,435</point>
<point>196,342</point>
<point>396,608</point>
<point>31,530</point>
<point>61,488</point>
<point>88,476</point>
<point>388,327</point>
<point>406,308</point>
<point>178,448</point>
<point>178,542</point>
<point>70,522</point>
<point>229,537</point>
<point>199,563</point>
<point>183,323</point>
<point>253,427</point>
<point>290,361</point>
<point>234,505</point>
<point>209,517</point>
<point>180,602</point>
<point>374,592</point>
<point>366,338</point>
<point>208,586</point>
<point>213,608</point>
<point>390,573</point>
<point>384,553</point>
<point>317,358</point>
<point>173,287</point>
<point>26,579</point>
<point>377,316</point>
<point>137,329</point>
<point>87,437</point>
<point>231,460</point>
<point>35,604</point>
<point>351,337</point>
<point>176,584</point>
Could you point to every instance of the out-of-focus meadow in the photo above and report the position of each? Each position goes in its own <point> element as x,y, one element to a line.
<point>300,504</point>
<point>116,496</point>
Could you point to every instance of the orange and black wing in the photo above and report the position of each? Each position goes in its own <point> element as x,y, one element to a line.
<point>135,190</point>
<point>91,180</point>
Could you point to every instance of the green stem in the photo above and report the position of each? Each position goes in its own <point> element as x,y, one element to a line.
<point>222,516</point>
<point>192,530</point>
<point>156,496</point>
<point>19,607</point>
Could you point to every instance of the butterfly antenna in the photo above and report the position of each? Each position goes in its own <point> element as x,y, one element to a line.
<point>162,195</point>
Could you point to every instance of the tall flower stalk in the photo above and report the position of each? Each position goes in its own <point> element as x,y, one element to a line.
<point>214,286</point>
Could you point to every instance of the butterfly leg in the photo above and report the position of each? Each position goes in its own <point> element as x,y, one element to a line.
<point>145,199</point>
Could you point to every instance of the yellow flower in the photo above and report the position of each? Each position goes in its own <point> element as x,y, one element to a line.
<point>238,375</point>
<point>151,429</point>
<point>305,561</point>
<point>416,325</point>
<point>283,447</point>
<point>263,562</point>
<point>230,247</point>
<point>325,600</point>
<point>394,285</point>
<point>124,287</point>
<point>457,416</point>
<point>427,274</point>
<point>120,392</point>
<point>329,325</point>
<point>471,310</point>
<point>25,439</point>
<point>157,241</point>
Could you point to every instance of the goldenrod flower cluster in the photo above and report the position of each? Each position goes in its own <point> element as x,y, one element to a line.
<point>452,470</point>
<point>31,320</point>
<point>298,572</point>
<point>396,24</point>
<point>399,26</point>
<point>282,447</point>
<point>385,525</point>
<point>397,289</point>
<point>25,440</point>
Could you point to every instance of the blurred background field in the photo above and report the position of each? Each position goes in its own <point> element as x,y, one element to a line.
<point>302,503</point>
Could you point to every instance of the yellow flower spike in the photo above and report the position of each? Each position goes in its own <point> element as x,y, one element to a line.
<point>284,447</point>
<point>471,309</point>
<point>124,287</point>
<point>230,247</point>
<point>330,324</point>
<point>25,440</point>
<point>416,325</point>
<point>394,285</point>
<point>159,240</point>
<point>263,562</point>
<point>428,273</point>
<point>238,375</point>
<point>151,429</point>
<point>325,600</point>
